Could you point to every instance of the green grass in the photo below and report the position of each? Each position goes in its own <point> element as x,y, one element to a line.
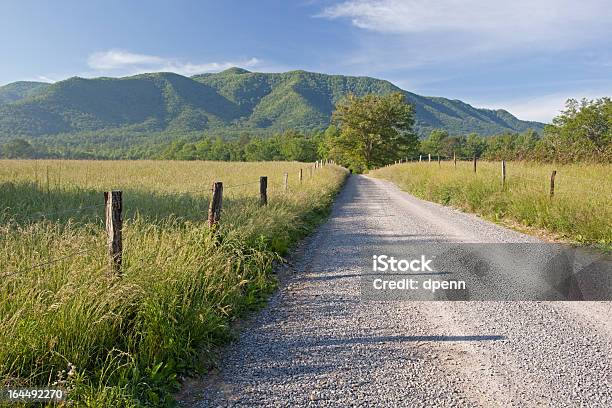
<point>580,210</point>
<point>128,338</point>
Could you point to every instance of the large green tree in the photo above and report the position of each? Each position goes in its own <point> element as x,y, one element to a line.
<point>583,131</point>
<point>374,130</point>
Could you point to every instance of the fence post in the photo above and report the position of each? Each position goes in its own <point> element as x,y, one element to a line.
<point>474,163</point>
<point>503,174</point>
<point>285,181</point>
<point>263,190</point>
<point>455,158</point>
<point>420,157</point>
<point>301,176</point>
<point>114,227</point>
<point>552,183</point>
<point>429,156</point>
<point>214,208</point>
<point>439,163</point>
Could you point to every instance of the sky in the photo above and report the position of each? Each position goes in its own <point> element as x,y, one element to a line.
<point>526,56</point>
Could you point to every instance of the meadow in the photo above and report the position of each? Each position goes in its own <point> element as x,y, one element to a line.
<point>123,341</point>
<point>578,212</point>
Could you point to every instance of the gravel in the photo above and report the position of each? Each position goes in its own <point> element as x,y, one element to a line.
<point>319,343</point>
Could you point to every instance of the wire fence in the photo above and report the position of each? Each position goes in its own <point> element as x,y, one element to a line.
<point>43,265</point>
<point>114,219</point>
<point>551,184</point>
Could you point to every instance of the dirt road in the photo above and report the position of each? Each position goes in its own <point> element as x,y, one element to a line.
<point>319,342</point>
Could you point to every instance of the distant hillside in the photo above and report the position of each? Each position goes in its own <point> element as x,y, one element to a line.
<point>19,90</point>
<point>232,100</point>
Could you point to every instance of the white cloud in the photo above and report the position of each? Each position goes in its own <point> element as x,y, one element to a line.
<point>42,78</point>
<point>119,62</point>
<point>484,24</point>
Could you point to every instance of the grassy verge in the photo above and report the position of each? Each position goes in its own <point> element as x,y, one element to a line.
<point>579,211</point>
<point>122,342</point>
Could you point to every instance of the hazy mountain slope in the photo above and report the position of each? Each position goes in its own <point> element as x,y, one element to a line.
<point>19,90</point>
<point>233,99</point>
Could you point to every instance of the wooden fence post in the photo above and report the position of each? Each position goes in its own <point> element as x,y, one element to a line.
<point>429,156</point>
<point>285,181</point>
<point>301,176</point>
<point>114,227</point>
<point>503,174</point>
<point>439,163</point>
<point>216,202</point>
<point>474,163</point>
<point>263,190</point>
<point>455,158</point>
<point>552,183</point>
<point>420,158</point>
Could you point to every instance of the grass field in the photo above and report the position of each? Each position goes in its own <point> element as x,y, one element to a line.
<point>580,210</point>
<point>122,341</point>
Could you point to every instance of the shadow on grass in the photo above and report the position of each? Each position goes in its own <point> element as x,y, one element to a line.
<point>26,203</point>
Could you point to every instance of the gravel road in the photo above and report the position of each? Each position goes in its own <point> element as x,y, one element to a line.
<point>320,343</point>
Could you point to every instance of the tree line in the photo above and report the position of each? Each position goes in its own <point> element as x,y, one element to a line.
<point>373,130</point>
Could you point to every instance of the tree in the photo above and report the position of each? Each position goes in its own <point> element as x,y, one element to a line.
<point>434,143</point>
<point>583,131</point>
<point>374,130</point>
<point>324,141</point>
<point>526,143</point>
<point>18,149</point>
<point>501,147</point>
<point>475,145</point>
<point>453,145</point>
<point>296,147</point>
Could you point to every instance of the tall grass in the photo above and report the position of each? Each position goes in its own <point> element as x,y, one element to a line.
<point>123,341</point>
<point>580,210</point>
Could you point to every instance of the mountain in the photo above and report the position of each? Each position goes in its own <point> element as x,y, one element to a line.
<point>233,100</point>
<point>20,90</point>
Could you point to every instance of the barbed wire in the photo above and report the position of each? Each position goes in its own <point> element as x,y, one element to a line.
<point>591,180</point>
<point>48,263</point>
<point>44,215</point>
<point>242,185</point>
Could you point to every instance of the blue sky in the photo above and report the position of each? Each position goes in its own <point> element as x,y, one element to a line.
<point>526,56</point>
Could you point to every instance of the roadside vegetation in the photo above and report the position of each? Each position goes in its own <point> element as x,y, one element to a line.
<point>123,341</point>
<point>578,145</point>
<point>579,211</point>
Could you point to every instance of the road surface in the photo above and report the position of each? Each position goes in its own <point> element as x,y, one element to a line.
<point>320,343</point>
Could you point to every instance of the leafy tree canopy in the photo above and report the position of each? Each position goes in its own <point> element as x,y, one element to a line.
<point>374,129</point>
<point>582,132</point>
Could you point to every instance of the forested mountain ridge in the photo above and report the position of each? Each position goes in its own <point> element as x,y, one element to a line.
<point>17,91</point>
<point>231,100</point>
